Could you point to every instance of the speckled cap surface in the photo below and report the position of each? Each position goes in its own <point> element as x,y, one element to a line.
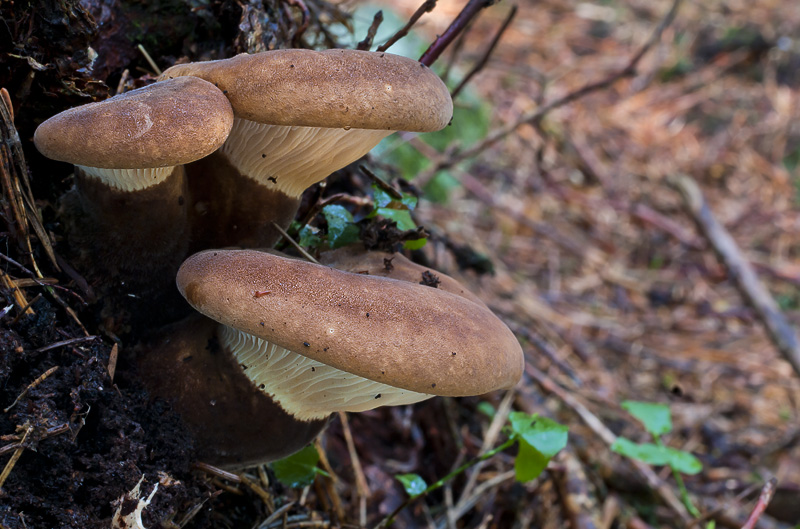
<point>396,332</point>
<point>164,124</point>
<point>354,258</point>
<point>331,88</point>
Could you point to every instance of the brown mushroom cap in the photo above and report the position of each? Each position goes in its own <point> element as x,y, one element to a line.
<point>164,124</point>
<point>398,333</point>
<point>354,258</point>
<point>332,88</point>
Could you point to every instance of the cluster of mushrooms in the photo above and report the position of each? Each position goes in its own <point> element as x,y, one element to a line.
<point>214,155</point>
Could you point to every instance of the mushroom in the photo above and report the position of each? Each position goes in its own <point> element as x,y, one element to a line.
<point>300,115</point>
<point>353,258</point>
<point>233,424</point>
<point>298,341</point>
<point>128,207</point>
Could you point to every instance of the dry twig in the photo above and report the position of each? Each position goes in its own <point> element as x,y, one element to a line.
<point>469,12</point>
<point>763,501</point>
<point>740,270</point>
<point>426,7</point>
<point>14,457</point>
<point>41,378</point>
<point>486,54</point>
<point>535,116</point>
<point>591,420</point>
<point>366,44</point>
<point>362,488</point>
<point>62,343</point>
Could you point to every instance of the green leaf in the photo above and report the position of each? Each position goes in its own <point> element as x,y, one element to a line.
<point>409,201</point>
<point>655,417</point>
<point>438,189</point>
<point>658,455</point>
<point>529,462</point>
<point>487,409</point>
<point>416,244</point>
<point>647,452</point>
<point>684,462</point>
<point>539,439</point>
<point>298,470</point>
<point>309,237</point>
<point>401,216</point>
<point>413,484</point>
<point>380,197</point>
<point>546,435</point>
<point>341,228</point>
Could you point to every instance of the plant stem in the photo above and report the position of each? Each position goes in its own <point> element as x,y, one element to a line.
<point>386,522</point>
<point>684,493</point>
<point>687,501</point>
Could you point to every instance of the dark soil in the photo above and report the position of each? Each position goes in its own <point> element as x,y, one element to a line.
<point>86,437</point>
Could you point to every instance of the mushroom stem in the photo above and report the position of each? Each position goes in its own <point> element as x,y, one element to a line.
<point>259,175</point>
<point>107,225</point>
<point>231,209</point>
<point>234,424</point>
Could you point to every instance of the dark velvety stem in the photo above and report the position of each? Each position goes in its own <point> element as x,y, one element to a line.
<point>229,209</point>
<point>234,423</point>
<point>137,238</point>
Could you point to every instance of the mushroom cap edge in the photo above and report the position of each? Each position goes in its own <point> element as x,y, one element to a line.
<point>404,334</point>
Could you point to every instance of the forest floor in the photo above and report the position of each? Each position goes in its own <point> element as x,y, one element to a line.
<point>599,267</point>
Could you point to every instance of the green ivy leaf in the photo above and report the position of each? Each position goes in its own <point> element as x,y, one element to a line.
<point>401,216</point>
<point>413,484</point>
<point>298,470</point>
<point>409,201</point>
<point>658,455</point>
<point>380,197</point>
<point>487,409</point>
<point>308,237</point>
<point>546,435</point>
<point>416,244</point>
<point>529,462</point>
<point>647,452</point>
<point>684,462</point>
<point>539,439</point>
<point>655,417</point>
<point>341,228</point>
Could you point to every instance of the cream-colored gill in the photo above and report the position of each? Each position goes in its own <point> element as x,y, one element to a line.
<point>306,388</point>
<point>128,179</point>
<point>291,158</point>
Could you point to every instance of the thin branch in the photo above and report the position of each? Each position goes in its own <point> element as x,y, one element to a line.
<point>426,7</point>
<point>362,488</point>
<point>305,19</point>
<point>740,270</point>
<point>391,191</point>
<point>441,43</point>
<point>62,343</point>
<point>535,116</point>
<point>294,243</point>
<point>149,59</point>
<point>486,54</point>
<point>608,437</point>
<point>41,378</point>
<point>763,502</point>
<point>14,458</point>
<point>366,44</point>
